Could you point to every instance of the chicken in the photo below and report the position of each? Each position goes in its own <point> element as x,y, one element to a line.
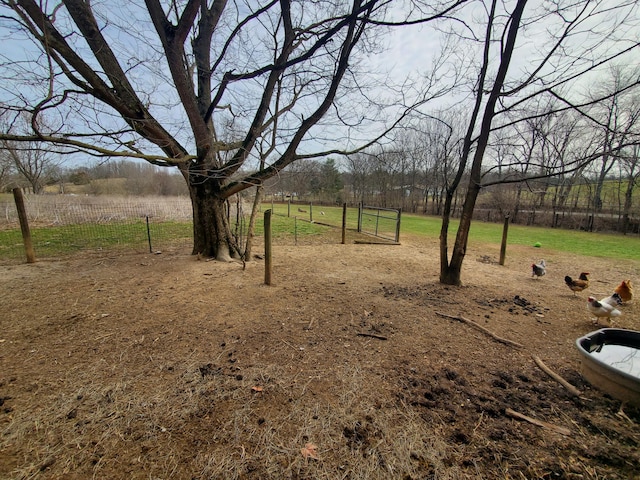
<point>578,284</point>
<point>538,269</point>
<point>601,310</point>
<point>614,300</point>
<point>625,290</point>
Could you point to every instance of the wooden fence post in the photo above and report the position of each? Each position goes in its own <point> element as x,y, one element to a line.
<point>24,225</point>
<point>503,245</point>
<point>344,223</point>
<point>398,225</point>
<point>267,247</point>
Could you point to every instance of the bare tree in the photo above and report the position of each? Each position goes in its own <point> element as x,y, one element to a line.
<point>215,64</point>
<point>631,166</point>
<point>30,161</point>
<point>441,143</point>
<point>585,35</point>
<point>359,170</point>
<point>618,117</point>
<point>6,169</point>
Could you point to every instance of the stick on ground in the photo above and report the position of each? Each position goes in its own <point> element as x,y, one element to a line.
<point>556,377</point>
<point>539,423</point>
<point>379,337</point>
<point>480,327</point>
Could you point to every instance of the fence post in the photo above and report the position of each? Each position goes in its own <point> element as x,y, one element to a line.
<point>398,225</point>
<point>344,223</point>
<point>289,208</point>
<point>360,217</point>
<point>267,247</point>
<point>149,235</point>
<point>503,245</point>
<point>24,225</point>
<point>310,212</point>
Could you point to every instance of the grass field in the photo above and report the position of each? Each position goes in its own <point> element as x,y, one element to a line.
<point>54,241</point>
<point>579,242</point>
<point>583,243</point>
<point>293,221</point>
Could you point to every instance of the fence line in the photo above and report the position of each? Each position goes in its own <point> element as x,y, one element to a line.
<point>49,210</point>
<point>67,224</point>
<point>63,224</point>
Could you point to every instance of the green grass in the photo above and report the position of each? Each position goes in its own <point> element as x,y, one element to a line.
<point>320,214</point>
<point>64,240</point>
<point>281,226</point>
<point>67,239</point>
<point>590,244</point>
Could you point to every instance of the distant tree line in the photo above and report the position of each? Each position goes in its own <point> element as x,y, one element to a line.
<point>412,183</point>
<point>599,161</point>
<point>37,171</point>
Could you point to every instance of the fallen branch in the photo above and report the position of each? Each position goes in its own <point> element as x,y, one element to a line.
<point>556,377</point>
<point>374,242</point>
<point>480,327</point>
<point>539,423</point>
<point>379,337</point>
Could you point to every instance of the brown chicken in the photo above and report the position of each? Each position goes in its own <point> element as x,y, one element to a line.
<point>579,284</point>
<point>625,290</point>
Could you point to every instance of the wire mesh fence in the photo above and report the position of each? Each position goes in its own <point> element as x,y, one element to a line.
<point>62,225</point>
<point>67,224</point>
<point>377,222</point>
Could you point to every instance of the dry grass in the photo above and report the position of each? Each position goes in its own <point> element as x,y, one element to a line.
<point>143,367</point>
<point>237,430</point>
<point>44,210</point>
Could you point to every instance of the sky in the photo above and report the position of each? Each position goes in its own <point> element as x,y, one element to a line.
<point>409,55</point>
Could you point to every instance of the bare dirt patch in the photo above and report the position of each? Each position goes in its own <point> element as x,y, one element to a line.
<point>163,366</point>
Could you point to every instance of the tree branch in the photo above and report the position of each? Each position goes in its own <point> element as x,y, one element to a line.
<point>105,152</point>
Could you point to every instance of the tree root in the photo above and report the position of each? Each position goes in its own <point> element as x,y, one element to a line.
<point>506,341</point>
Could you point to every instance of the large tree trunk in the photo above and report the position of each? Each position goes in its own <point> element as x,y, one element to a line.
<point>211,231</point>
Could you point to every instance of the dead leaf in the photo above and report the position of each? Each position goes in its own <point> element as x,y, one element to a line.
<point>309,450</point>
<point>256,389</point>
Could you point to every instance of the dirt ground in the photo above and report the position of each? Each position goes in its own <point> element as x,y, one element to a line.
<point>349,366</point>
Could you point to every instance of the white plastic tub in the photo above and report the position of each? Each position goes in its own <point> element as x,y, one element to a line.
<point>610,360</point>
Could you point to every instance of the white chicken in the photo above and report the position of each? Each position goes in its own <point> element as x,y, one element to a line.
<point>614,300</point>
<point>601,310</point>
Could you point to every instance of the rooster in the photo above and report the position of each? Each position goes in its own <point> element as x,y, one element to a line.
<point>601,310</point>
<point>538,269</point>
<point>625,290</point>
<point>578,284</point>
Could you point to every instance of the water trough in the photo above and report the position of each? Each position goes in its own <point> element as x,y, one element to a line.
<point>610,360</point>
